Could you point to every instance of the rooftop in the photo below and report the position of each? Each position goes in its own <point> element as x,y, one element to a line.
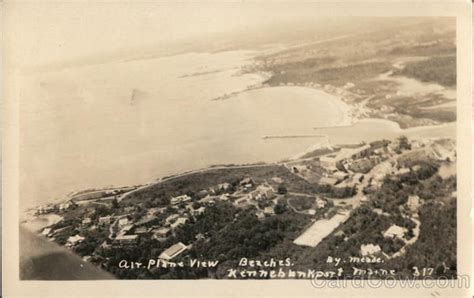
<point>126,237</point>
<point>173,251</point>
<point>394,231</point>
<point>74,239</point>
<point>369,249</point>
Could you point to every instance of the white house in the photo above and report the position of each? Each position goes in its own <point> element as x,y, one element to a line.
<point>65,206</point>
<point>241,202</point>
<point>224,186</point>
<point>161,233</point>
<point>269,210</point>
<point>395,231</point>
<point>224,197</point>
<point>46,231</point>
<point>267,191</point>
<point>253,195</point>
<point>123,221</point>
<point>178,222</point>
<point>198,211</point>
<point>403,171</point>
<point>246,181</point>
<point>340,175</point>
<point>260,214</point>
<point>369,249</point>
<point>413,203</point>
<point>320,203</point>
<point>105,220</point>
<point>180,199</point>
<point>73,240</point>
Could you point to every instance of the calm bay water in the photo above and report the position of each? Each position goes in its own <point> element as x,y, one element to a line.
<point>44,260</point>
<point>132,122</point>
<point>368,130</point>
<point>135,121</point>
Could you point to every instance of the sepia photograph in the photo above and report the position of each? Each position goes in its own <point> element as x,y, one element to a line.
<point>206,141</point>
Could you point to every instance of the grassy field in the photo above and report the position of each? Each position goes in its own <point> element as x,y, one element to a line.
<point>426,51</point>
<point>301,203</point>
<point>439,69</point>
<point>336,76</point>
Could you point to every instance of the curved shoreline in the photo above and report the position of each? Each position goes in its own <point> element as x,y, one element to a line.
<point>38,223</point>
<point>409,132</point>
<point>342,116</point>
<point>334,100</point>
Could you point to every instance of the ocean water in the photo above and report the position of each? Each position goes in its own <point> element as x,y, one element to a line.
<point>44,260</point>
<point>134,121</point>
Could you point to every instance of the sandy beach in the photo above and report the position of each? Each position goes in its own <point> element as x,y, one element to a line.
<point>37,223</point>
<point>174,131</point>
<point>170,115</point>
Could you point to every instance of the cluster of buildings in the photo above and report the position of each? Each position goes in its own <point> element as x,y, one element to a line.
<point>246,193</point>
<point>51,208</point>
<point>45,209</point>
<point>158,223</point>
<point>261,196</point>
<point>348,166</point>
<point>397,232</point>
<point>130,231</point>
<point>50,232</point>
<point>100,194</point>
<point>358,160</point>
<point>392,232</point>
<point>344,168</point>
